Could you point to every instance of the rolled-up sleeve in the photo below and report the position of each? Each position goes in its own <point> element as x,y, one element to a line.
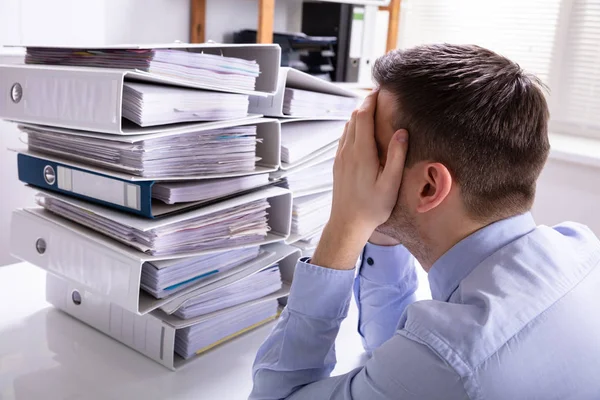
<point>385,285</point>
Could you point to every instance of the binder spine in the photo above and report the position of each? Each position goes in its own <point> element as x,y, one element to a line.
<point>132,197</point>
<point>79,98</point>
<point>74,257</point>
<point>143,333</point>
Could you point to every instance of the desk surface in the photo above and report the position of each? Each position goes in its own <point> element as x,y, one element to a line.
<point>46,354</point>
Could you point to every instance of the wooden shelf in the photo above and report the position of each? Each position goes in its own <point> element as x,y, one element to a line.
<point>266,15</point>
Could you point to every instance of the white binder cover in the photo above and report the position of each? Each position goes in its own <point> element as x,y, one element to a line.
<point>295,239</point>
<point>326,146</point>
<point>298,168</point>
<point>107,267</point>
<point>268,148</point>
<point>152,334</point>
<point>272,106</point>
<point>92,98</point>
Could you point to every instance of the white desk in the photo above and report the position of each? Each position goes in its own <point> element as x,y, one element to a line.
<point>46,354</point>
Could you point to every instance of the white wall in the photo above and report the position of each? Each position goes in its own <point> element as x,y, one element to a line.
<point>228,16</point>
<point>568,191</point>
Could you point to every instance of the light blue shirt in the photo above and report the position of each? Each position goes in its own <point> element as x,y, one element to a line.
<point>515,314</point>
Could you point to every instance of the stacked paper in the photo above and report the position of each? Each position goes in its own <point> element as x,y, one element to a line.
<point>311,177</point>
<point>303,140</point>
<point>229,225</point>
<point>166,277</point>
<point>313,115</point>
<point>215,151</point>
<point>173,192</point>
<point>149,105</point>
<point>299,102</point>
<point>208,263</point>
<point>156,219</point>
<point>252,287</point>
<point>200,337</point>
<point>310,213</point>
<point>300,95</point>
<point>234,73</point>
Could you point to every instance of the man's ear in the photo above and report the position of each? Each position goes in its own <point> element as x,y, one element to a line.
<point>436,183</point>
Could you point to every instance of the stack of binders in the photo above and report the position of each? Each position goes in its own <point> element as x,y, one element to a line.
<point>312,114</point>
<point>158,222</point>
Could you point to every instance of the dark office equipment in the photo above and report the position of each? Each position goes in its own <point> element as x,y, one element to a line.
<point>311,54</point>
<point>338,20</point>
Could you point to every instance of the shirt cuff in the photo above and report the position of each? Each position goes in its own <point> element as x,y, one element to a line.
<point>386,265</point>
<point>320,292</point>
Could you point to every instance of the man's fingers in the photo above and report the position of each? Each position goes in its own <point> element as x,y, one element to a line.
<point>342,140</point>
<point>370,101</point>
<point>391,177</point>
<point>365,123</point>
<point>351,131</point>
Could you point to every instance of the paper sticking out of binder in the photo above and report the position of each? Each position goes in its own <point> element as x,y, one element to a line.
<point>181,63</point>
<point>303,140</point>
<point>298,103</point>
<point>201,191</point>
<point>236,222</point>
<point>94,98</point>
<point>168,339</point>
<point>196,339</point>
<point>310,213</point>
<point>148,104</point>
<point>307,97</point>
<point>314,176</point>
<point>253,287</point>
<point>122,274</point>
<point>163,278</point>
<point>194,151</point>
<point>128,172</point>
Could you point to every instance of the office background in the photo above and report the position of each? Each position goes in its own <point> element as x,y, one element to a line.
<point>566,190</point>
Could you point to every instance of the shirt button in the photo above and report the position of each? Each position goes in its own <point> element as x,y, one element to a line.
<point>370,261</point>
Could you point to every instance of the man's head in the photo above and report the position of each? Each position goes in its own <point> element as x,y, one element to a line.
<point>477,134</point>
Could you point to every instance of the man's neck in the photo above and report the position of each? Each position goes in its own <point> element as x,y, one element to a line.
<point>435,242</point>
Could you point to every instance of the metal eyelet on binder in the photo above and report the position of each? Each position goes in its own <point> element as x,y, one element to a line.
<point>49,175</point>
<point>16,93</point>
<point>40,246</point>
<point>76,297</point>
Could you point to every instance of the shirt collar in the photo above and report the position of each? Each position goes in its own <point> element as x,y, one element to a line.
<point>453,266</point>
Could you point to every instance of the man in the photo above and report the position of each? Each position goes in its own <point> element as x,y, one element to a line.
<point>514,310</point>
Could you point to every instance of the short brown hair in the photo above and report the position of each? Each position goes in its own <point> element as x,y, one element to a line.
<point>476,112</point>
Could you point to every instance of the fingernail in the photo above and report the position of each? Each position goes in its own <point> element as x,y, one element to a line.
<point>402,136</point>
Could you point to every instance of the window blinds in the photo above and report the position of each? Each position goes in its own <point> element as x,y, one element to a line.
<point>557,40</point>
<point>576,99</point>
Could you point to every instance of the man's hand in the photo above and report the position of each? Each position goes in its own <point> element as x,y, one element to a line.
<point>364,192</point>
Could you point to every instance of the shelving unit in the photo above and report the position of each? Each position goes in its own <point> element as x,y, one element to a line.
<point>266,14</point>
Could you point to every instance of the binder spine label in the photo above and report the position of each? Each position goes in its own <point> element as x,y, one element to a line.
<point>112,191</point>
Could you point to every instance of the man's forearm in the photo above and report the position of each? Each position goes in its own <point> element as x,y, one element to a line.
<point>339,246</point>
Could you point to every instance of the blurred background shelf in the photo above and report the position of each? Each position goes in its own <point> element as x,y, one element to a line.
<point>266,15</point>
